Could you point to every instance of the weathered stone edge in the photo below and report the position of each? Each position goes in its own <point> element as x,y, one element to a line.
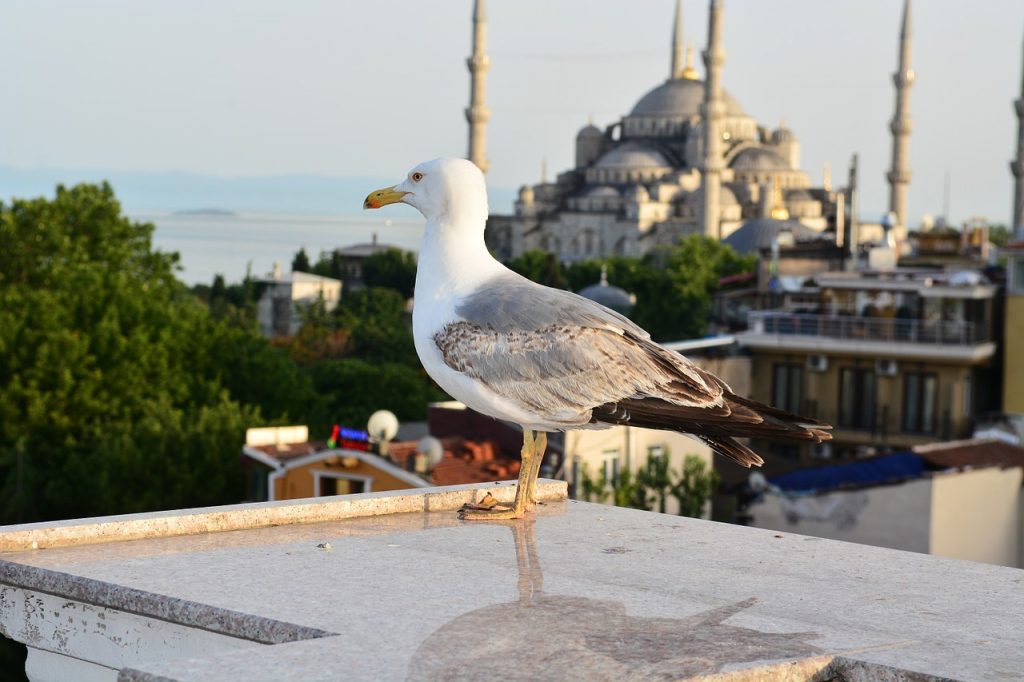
<point>257,515</point>
<point>152,605</point>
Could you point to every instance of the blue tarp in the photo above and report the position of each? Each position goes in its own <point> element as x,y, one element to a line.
<point>866,472</point>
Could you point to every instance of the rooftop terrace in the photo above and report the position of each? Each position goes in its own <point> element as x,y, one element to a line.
<point>393,586</point>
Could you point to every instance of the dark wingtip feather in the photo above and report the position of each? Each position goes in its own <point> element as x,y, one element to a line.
<point>734,450</point>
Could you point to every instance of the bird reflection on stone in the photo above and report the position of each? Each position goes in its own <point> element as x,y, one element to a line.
<point>557,637</point>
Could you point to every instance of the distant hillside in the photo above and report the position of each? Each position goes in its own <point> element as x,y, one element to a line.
<point>179,191</point>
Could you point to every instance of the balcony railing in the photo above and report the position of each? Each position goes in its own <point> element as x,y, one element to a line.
<point>867,328</point>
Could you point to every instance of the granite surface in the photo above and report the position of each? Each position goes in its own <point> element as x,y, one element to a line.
<point>574,591</point>
<point>259,515</point>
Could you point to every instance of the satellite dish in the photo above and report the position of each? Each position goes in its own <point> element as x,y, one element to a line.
<point>757,482</point>
<point>382,426</point>
<point>432,448</point>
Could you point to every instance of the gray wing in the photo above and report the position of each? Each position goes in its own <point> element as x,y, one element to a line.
<point>573,362</point>
<point>510,302</point>
<point>560,359</point>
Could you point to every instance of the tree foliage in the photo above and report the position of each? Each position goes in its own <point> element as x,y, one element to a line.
<point>673,285</point>
<point>652,485</point>
<point>301,261</point>
<point>119,391</point>
<point>391,269</point>
<point>541,267</point>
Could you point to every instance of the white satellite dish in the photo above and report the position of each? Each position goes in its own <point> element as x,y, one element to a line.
<point>432,448</point>
<point>757,482</point>
<point>382,426</point>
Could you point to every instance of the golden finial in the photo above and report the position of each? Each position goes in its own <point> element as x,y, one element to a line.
<point>779,211</point>
<point>689,73</point>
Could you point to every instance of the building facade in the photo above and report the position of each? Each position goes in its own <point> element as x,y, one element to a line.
<point>891,359</point>
<point>640,182</point>
<point>278,309</point>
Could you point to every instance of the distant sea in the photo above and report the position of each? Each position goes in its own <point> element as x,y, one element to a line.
<point>257,220</point>
<point>211,243</point>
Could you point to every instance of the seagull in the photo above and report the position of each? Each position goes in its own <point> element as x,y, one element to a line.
<point>546,359</point>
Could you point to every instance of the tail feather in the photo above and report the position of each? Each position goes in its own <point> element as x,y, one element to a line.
<point>718,425</point>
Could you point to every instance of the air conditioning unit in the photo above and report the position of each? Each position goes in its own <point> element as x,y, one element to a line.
<point>886,368</point>
<point>821,451</point>
<point>817,363</point>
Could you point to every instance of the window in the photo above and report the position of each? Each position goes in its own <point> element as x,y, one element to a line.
<point>857,397</point>
<point>336,484</point>
<point>919,392</point>
<point>610,465</point>
<point>787,387</point>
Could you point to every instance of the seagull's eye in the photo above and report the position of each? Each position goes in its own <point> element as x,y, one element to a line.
<point>417,176</point>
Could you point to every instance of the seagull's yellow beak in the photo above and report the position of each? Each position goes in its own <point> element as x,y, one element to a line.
<point>383,197</point>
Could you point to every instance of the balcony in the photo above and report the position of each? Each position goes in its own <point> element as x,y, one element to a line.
<point>869,336</point>
<point>392,586</point>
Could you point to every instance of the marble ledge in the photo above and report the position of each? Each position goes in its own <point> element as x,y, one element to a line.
<point>574,591</point>
<point>51,534</point>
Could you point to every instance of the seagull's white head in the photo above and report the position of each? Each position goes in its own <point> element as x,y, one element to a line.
<point>439,189</point>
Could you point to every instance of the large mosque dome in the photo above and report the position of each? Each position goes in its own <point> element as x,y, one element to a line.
<point>680,97</point>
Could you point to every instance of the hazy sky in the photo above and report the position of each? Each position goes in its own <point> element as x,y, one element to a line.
<point>371,88</point>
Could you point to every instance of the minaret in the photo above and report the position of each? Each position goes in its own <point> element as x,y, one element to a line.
<point>711,111</point>
<point>677,43</point>
<point>477,113</point>
<point>1017,167</point>
<point>852,202</point>
<point>899,174</point>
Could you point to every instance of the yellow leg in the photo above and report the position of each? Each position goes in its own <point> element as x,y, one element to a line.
<point>540,445</point>
<point>471,512</point>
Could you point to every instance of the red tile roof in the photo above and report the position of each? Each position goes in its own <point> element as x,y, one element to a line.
<point>464,461</point>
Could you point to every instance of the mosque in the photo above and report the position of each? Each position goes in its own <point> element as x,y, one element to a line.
<point>687,159</point>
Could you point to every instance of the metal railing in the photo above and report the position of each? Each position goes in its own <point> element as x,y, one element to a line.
<point>867,328</point>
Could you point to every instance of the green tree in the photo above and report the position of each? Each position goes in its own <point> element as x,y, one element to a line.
<point>623,489</point>
<point>114,391</point>
<point>694,486</point>
<point>391,269</point>
<point>301,261</point>
<point>656,478</point>
<point>353,389</point>
<point>999,235</point>
<point>674,285</point>
<point>541,267</point>
<point>653,484</point>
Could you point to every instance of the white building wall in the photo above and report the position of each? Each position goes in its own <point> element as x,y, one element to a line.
<point>976,515</point>
<point>631,447</point>
<point>896,516</point>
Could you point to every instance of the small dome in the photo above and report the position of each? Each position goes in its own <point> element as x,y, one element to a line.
<point>619,300</point>
<point>799,194</point>
<point>757,234</point>
<point>589,130</point>
<point>782,134</point>
<point>633,155</point>
<point>526,194</point>
<point>602,191</point>
<point>680,97</point>
<point>758,159</point>
<point>726,197</point>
